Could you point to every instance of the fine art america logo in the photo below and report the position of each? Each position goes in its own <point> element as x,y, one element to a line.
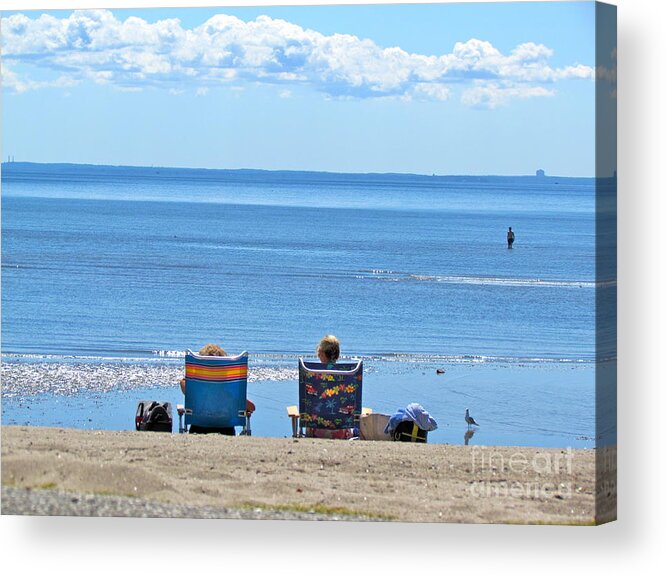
<point>545,474</point>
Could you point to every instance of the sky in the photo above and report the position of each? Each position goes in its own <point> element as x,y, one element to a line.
<point>494,88</point>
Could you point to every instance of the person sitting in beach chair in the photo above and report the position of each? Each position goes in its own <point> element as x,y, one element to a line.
<point>215,388</point>
<point>329,395</point>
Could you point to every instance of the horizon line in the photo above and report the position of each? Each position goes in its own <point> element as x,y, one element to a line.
<point>296,171</point>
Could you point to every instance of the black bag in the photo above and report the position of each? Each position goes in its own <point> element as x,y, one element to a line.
<point>153,416</point>
<point>409,431</point>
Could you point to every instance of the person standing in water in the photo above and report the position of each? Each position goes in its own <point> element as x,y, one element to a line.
<point>510,236</point>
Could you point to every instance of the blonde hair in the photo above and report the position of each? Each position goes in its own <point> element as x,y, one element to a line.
<point>330,347</point>
<point>212,349</point>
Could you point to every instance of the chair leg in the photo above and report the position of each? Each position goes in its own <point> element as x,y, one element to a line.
<point>294,426</point>
<point>181,411</point>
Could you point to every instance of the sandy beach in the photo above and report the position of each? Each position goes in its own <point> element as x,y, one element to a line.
<point>285,477</point>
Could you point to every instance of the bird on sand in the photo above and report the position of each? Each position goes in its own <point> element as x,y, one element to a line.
<point>469,419</point>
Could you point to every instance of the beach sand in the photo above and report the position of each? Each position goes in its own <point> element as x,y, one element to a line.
<point>284,477</point>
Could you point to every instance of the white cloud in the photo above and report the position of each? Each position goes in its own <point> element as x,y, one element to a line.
<point>608,74</point>
<point>134,54</point>
<point>17,85</point>
<point>493,94</point>
<point>439,92</point>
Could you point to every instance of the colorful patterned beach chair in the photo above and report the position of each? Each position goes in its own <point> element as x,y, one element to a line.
<point>329,400</point>
<point>215,393</point>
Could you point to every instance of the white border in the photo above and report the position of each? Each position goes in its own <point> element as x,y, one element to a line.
<point>633,544</point>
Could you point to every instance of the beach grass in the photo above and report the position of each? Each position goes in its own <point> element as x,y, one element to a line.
<point>319,509</point>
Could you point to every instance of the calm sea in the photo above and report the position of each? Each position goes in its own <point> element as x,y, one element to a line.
<point>118,267</point>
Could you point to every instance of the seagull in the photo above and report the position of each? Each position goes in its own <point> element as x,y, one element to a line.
<point>469,419</point>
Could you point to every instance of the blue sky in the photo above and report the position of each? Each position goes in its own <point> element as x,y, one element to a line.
<point>502,88</point>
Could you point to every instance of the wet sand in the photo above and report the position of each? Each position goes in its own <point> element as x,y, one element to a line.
<point>285,476</point>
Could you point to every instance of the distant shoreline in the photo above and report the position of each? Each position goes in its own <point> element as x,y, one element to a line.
<point>249,171</point>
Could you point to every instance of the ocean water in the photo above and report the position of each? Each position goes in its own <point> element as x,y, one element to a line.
<point>110,273</point>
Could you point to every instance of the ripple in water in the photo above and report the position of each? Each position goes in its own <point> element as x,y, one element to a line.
<point>25,379</point>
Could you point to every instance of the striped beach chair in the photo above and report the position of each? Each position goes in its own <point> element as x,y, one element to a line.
<point>328,399</point>
<point>215,393</point>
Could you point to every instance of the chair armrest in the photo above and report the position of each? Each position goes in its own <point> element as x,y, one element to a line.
<point>292,411</point>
